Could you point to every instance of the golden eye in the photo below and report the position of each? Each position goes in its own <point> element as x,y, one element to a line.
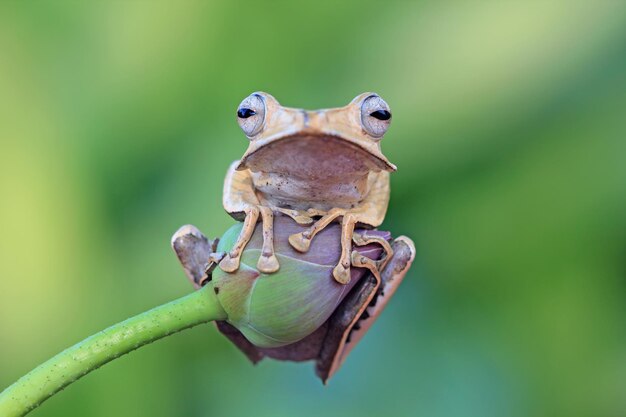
<point>375,116</point>
<point>251,115</point>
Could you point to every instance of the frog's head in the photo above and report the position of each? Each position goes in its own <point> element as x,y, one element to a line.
<point>349,135</point>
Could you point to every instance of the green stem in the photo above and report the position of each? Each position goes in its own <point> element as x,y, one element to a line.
<point>52,376</point>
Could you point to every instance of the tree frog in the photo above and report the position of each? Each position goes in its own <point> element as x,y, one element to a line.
<point>317,168</point>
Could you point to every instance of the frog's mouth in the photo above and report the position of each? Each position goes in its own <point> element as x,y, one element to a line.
<point>314,156</point>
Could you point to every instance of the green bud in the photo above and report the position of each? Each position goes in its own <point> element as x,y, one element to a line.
<point>278,309</point>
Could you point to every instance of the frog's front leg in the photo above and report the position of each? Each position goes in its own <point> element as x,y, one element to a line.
<point>342,270</point>
<point>268,262</point>
<point>361,239</point>
<point>230,262</point>
<point>302,241</point>
<point>303,217</point>
<point>240,197</point>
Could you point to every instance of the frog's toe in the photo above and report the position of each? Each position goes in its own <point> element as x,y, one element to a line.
<point>316,212</point>
<point>300,242</point>
<point>300,217</point>
<point>268,264</point>
<point>229,264</point>
<point>342,273</point>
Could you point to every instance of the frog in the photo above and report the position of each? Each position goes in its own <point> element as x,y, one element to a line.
<point>317,167</point>
<point>323,169</point>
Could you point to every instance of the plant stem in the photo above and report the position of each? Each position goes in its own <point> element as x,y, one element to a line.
<point>58,372</point>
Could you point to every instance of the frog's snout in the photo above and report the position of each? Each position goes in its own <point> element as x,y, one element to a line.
<point>313,119</point>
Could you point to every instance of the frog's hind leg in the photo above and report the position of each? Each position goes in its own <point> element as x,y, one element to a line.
<point>342,270</point>
<point>361,239</point>
<point>302,241</point>
<point>230,262</point>
<point>268,262</point>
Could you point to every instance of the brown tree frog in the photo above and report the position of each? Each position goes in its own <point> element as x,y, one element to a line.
<point>317,168</point>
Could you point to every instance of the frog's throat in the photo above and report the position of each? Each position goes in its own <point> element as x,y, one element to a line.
<point>292,144</point>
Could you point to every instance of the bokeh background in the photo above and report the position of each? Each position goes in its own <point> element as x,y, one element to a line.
<point>117,124</point>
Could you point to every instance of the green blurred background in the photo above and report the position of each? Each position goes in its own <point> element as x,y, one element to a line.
<point>117,124</point>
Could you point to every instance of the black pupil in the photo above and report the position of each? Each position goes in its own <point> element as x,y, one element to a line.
<point>244,113</point>
<point>381,114</point>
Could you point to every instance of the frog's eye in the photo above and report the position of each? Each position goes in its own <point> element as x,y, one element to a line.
<point>375,116</point>
<point>251,115</point>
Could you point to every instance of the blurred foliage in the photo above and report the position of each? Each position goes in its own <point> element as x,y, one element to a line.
<point>117,126</point>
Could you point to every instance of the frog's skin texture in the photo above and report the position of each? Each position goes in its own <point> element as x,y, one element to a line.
<point>317,167</point>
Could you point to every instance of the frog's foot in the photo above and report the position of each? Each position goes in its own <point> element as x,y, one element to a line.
<point>300,216</point>
<point>230,262</point>
<point>302,241</point>
<point>342,270</point>
<point>268,262</point>
<point>361,261</point>
<point>361,239</point>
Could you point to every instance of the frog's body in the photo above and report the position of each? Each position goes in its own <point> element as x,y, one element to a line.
<point>323,164</point>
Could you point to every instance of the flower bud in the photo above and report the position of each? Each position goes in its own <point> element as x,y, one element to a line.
<point>278,309</point>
